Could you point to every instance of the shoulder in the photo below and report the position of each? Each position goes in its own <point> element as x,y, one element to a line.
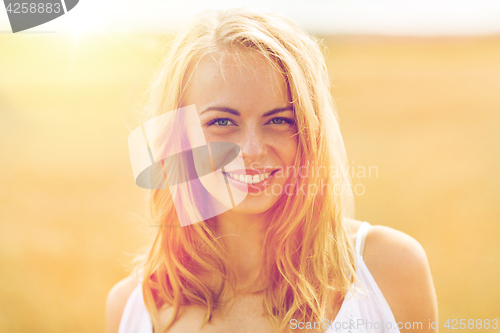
<point>351,227</point>
<point>116,301</point>
<point>399,265</point>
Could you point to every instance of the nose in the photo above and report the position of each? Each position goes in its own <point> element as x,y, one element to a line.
<point>253,147</point>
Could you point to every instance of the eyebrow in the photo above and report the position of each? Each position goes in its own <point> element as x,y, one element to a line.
<point>236,113</point>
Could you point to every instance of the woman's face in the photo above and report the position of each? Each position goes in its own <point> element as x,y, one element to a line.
<point>245,100</point>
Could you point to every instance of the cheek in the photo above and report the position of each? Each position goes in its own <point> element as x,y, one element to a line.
<point>286,146</point>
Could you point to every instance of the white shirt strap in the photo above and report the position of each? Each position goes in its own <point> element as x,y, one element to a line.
<point>361,237</point>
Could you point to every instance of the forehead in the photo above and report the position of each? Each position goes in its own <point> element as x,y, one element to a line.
<point>241,80</point>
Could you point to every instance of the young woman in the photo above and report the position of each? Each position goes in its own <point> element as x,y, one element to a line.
<point>289,257</point>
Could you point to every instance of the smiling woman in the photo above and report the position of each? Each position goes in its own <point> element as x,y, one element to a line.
<point>283,255</point>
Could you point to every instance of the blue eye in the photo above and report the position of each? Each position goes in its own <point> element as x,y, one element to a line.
<point>220,122</point>
<point>281,120</point>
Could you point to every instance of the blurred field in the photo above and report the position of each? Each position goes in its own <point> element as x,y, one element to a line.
<point>424,112</point>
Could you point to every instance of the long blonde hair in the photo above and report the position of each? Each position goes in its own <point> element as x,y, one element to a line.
<point>308,255</point>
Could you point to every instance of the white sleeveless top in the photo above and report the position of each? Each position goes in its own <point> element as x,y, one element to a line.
<point>360,313</point>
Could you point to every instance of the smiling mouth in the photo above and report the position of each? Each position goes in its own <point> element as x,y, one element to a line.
<point>251,180</point>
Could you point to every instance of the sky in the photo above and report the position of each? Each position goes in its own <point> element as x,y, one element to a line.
<point>382,17</point>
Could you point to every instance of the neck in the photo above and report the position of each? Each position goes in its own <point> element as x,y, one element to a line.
<point>242,236</point>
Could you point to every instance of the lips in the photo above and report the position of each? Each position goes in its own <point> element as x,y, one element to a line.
<point>251,180</point>
<point>252,172</point>
<point>261,173</point>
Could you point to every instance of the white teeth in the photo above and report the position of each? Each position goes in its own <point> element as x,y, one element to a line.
<point>250,179</point>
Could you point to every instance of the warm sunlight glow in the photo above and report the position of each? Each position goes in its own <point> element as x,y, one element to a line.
<point>79,22</point>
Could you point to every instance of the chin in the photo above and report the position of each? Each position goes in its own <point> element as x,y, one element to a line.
<point>255,205</point>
